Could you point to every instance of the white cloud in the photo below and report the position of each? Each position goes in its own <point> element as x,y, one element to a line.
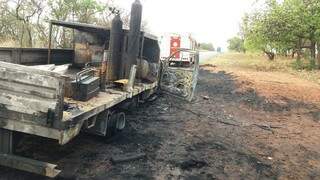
<point>212,21</point>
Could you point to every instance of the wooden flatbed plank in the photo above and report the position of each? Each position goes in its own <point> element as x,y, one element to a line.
<point>74,119</point>
<point>28,69</point>
<point>40,119</point>
<point>26,102</point>
<point>28,89</point>
<point>102,101</point>
<point>30,128</point>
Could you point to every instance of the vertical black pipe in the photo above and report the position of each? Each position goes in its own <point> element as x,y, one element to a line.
<point>115,49</point>
<point>133,36</point>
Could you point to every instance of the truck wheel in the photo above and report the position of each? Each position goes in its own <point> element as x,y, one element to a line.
<point>121,121</point>
<point>111,125</point>
<point>115,122</point>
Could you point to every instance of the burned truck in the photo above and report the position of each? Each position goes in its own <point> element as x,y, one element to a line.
<point>58,93</point>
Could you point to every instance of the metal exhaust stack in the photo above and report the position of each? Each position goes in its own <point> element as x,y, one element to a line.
<point>133,37</point>
<point>114,63</point>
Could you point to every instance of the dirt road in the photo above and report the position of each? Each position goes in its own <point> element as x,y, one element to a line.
<point>241,125</point>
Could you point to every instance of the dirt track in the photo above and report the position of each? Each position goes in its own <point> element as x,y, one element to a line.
<point>255,125</point>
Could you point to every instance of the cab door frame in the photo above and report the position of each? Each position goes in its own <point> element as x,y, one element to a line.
<point>183,80</point>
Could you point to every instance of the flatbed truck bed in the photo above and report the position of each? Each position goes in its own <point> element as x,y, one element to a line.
<point>74,118</point>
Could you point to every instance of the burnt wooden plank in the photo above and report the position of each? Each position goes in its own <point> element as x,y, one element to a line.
<point>26,90</point>
<point>29,76</point>
<point>29,128</point>
<point>29,165</point>
<point>11,100</point>
<point>39,119</point>
<point>127,157</point>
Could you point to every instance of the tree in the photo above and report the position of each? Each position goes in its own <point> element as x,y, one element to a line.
<point>282,27</point>
<point>236,44</point>
<point>25,23</point>
<point>207,46</point>
<point>17,20</point>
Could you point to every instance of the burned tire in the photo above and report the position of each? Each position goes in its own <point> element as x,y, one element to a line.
<point>121,121</point>
<point>108,123</point>
<point>111,125</point>
<point>115,123</point>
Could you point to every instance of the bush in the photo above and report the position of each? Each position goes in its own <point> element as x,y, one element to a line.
<point>306,64</point>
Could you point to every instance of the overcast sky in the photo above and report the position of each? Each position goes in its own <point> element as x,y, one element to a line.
<point>212,21</point>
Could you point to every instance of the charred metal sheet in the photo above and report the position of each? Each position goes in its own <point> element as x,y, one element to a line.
<point>151,50</point>
<point>80,26</point>
<point>35,56</point>
<point>180,81</point>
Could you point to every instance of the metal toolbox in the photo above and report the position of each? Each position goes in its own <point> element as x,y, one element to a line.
<point>86,85</point>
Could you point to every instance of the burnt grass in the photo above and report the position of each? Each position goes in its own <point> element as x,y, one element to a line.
<point>181,140</point>
<point>225,87</point>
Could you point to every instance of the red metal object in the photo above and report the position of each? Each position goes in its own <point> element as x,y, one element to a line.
<point>175,44</point>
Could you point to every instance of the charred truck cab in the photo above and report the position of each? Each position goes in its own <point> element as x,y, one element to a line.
<point>56,93</point>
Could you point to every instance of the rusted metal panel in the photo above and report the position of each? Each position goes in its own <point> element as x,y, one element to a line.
<point>30,95</point>
<point>88,48</point>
